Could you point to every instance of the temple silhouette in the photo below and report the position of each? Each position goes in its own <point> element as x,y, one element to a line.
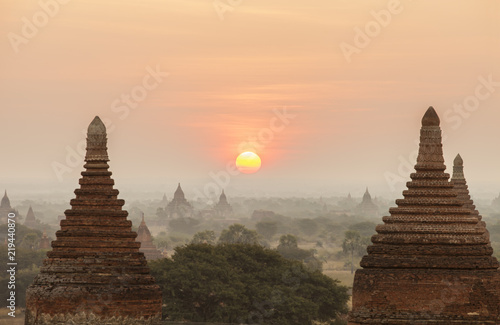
<point>147,246</point>
<point>6,208</point>
<point>179,207</point>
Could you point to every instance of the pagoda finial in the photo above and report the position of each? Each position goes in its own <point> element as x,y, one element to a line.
<point>430,153</point>
<point>430,118</point>
<point>458,168</point>
<point>96,142</point>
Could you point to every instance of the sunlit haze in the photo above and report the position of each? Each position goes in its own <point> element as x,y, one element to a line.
<point>329,93</point>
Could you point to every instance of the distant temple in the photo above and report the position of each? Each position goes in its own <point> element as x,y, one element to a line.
<point>347,203</point>
<point>5,209</point>
<point>147,247</point>
<point>367,207</point>
<point>31,221</point>
<point>179,207</point>
<point>95,273</point>
<point>495,204</point>
<point>44,241</point>
<point>431,261</point>
<point>223,209</point>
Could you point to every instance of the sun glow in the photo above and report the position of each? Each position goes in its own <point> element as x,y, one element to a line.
<point>248,162</point>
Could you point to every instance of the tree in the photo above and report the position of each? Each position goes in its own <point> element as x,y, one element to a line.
<point>245,284</point>
<point>30,241</point>
<point>238,234</point>
<point>288,241</point>
<point>204,237</point>
<point>267,229</point>
<point>308,226</point>
<point>288,248</point>
<point>28,263</point>
<point>352,243</point>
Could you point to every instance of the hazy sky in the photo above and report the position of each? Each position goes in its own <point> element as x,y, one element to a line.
<point>185,85</point>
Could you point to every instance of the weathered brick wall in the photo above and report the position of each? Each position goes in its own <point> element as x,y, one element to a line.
<point>392,296</point>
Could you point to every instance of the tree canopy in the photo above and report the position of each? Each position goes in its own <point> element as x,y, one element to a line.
<point>246,284</point>
<point>204,237</point>
<point>267,229</point>
<point>354,244</point>
<point>238,234</point>
<point>288,247</point>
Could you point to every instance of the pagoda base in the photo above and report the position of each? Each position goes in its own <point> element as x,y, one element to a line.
<point>80,304</point>
<point>88,319</point>
<point>426,296</point>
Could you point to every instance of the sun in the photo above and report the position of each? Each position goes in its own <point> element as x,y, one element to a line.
<point>248,162</point>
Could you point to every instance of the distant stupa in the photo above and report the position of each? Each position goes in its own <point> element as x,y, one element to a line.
<point>5,209</point>
<point>179,207</point>
<point>223,209</point>
<point>458,179</point>
<point>144,237</point>
<point>431,261</point>
<point>95,273</point>
<point>30,220</point>
<point>367,207</point>
<point>44,241</point>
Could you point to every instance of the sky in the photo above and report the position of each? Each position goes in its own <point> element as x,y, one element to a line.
<point>329,93</point>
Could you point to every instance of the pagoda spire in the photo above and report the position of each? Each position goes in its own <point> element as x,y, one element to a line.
<point>222,197</point>
<point>458,168</point>
<point>30,220</point>
<point>5,201</point>
<point>179,193</point>
<point>461,187</point>
<point>97,151</point>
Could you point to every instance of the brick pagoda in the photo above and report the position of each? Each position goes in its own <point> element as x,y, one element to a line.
<point>94,273</point>
<point>147,247</point>
<point>431,261</point>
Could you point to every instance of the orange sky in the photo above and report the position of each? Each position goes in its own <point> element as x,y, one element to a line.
<point>354,119</point>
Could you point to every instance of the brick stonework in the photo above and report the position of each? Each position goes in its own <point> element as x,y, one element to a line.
<point>431,261</point>
<point>94,271</point>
